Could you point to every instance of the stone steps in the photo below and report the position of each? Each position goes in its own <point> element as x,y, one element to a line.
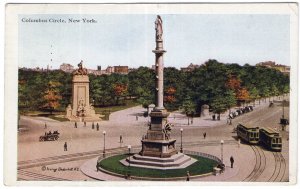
<point>177,161</point>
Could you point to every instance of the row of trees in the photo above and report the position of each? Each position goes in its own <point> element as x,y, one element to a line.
<point>219,85</point>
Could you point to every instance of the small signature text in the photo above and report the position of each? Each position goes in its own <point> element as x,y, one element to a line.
<point>57,169</point>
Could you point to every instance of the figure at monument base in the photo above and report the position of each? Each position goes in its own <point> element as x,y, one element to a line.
<point>81,109</point>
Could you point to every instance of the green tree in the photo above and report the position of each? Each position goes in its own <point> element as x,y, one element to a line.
<point>219,104</point>
<point>188,106</point>
<point>254,94</point>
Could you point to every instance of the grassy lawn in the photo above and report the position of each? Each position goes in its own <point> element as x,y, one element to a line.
<point>202,166</point>
<point>106,111</point>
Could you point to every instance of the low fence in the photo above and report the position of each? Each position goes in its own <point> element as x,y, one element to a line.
<point>201,154</point>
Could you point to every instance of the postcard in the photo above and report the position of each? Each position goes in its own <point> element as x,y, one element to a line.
<point>184,94</point>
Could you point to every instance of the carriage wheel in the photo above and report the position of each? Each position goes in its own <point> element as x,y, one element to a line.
<point>41,138</point>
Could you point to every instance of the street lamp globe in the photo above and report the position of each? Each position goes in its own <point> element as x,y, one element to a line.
<point>104,132</point>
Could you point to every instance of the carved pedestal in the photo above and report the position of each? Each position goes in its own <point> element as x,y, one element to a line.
<point>157,143</point>
<point>81,109</point>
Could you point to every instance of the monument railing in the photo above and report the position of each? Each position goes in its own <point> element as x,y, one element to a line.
<point>209,156</point>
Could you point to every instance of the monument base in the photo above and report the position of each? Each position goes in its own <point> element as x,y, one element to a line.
<point>176,161</point>
<point>96,117</point>
<point>158,148</point>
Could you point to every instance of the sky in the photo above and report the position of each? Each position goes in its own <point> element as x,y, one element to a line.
<point>128,40</point>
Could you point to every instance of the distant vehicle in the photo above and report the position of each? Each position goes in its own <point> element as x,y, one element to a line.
<point>50,136</point>
<point>270,139</point>
<point>248,134</point>
<point>284,121</point>
<point>240,111</point>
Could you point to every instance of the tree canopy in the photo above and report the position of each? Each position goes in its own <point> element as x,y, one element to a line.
<point>217,84</point>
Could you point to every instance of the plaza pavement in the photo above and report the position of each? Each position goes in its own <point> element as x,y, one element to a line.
<point>84,139</point>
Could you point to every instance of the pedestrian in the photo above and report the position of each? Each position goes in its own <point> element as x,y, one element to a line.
<point>45,125</point>
<point>93,125</point>
<point>231,161</point>
<point>187,176</point>
<point>65,147</point>
<point>136,117</point>
<point>219,117</point>
<point>97,126</point>
<point>75,125</point>
<point>204,135</point>
<point>192,121</point>
<point>98,164</point>
<point>121,139</point>
<point>84,124</point>
<point>214,117</point>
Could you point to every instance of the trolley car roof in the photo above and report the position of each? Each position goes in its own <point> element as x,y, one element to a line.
<point>248,126</point>
<point>270,131</point>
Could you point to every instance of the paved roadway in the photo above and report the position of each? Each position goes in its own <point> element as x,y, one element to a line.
<point>45,160</point>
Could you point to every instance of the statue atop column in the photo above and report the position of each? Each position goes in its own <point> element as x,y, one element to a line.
<point>80,70</point>
<point>158,28</point>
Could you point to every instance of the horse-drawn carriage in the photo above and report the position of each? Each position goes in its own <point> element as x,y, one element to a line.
<point>50,136</point>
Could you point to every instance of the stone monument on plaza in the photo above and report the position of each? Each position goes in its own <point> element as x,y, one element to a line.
<point>158,142</point>
<point>81,109</point>
<point>158,148</point>
<point>204,110</point>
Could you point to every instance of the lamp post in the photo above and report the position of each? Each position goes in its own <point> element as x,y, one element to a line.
<point>104,133</point>
<point>181,130</point>
<point>222,142</point>
<point>128,174</point>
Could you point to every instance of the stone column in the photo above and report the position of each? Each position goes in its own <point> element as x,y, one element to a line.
<point>159,70</point>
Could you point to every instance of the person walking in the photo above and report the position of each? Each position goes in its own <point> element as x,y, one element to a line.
<point>121,139</point>
<point>45,125</point>
<point>75,125</point>
<point>98,164</point>
<point>187,176</point>
<point>231,161</point>
<point>84,124</point>
<point>204,135</point>
<point>65,146</point>
<point>136,117</point>
<point>93,125</point>
<point>97,126</point>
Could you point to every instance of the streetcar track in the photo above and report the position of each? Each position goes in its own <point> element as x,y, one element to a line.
<point>38,176</point>
<point>260,165</point>
<point>65,158</point>
<point>91,154</point>
<point>280,166</point>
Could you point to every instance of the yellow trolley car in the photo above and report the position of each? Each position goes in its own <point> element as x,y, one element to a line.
<point>270,138</point>
<point>248,134</point>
